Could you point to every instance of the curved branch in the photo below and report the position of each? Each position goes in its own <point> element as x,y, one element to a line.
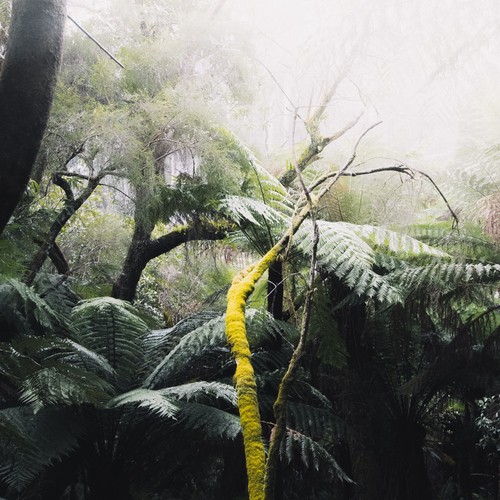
<point>402,169</point>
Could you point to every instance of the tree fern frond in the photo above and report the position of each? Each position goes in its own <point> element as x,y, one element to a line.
<point>34,442</point>
<point>213,422</point>
<point>299,447</point>
<point>154,401</point>
<point>202,392</point>
<point>63,385</point>
<point>56,293</point>
<point>259,181</point>
<point>162,341</point>
<point>23,311</point>
<point>443,276</point>
<point>396,242</point>
<point>324,329</point>
<point>263,328</point>
<point>316,422</point>
<point>112,329</point>
<point>191,345</point>
<point>246,211</point>
<point>210,338</point>
<point>265,360</point>
<point>344,253</point>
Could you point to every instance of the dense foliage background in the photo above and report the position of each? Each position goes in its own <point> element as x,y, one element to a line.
<point>165,172</point>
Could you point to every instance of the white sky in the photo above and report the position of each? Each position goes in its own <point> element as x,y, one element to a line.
<point>428,68</point>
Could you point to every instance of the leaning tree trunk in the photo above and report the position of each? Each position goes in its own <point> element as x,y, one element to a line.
<point>142,250</point>
<point>48,247</point>
<point>27,83</point>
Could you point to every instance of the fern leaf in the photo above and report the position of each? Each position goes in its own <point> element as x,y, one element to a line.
<point>154,401</point>
<point>213,422</point>
<point>63,385</point>
<point>299,447</point>
<point>201,392</point>
<point>112,329</point>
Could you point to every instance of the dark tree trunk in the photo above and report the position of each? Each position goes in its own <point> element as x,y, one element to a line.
<point>142,250</point>
<point>136,260</point>
<point>27,83</point>
<point>48,248</point>
<point>275,289</point>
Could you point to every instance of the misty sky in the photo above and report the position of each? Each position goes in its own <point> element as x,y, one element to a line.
<point>428,67</point>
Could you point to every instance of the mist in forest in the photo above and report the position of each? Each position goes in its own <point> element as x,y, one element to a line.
<point>427,69</point>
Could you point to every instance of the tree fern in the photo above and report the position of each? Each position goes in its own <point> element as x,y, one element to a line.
<point>112,329</point>
<point>63,385</point>
<point>154,401</point>
<point>23,311</point>
<point>300,447</point>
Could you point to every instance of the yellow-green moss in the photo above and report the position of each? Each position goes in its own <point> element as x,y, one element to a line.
<point>246,387</point>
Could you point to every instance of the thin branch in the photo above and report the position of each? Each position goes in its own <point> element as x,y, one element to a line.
<point>341,132</point>
<point>402,169</point>
<point>281,404</point>
<point>119,190</point>
<point>96,42</point>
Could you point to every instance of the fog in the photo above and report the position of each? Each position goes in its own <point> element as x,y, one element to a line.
<point>427,69</point>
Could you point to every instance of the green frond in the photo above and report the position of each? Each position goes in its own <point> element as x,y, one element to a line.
<point>190,346</point>
<point>33,442</point>
<point>396,242</point>
<point>162,341</point>
<point>245,211</point>
<point>203,392</point>
<point>112,329</point>
<point>259,181</point>
<point>347,255</point>
<point>271,359</point>
<point>324,329</point>
<point>314,421</point>
<point>63,385</point>
<point>153,401</point>
<point>78,355</point>
<point>263,328</point>
<point>210,339</point>
<point>260,224</point>
<point>300,448</point>
<point>213,423</point>
<point>54,290</point>
<point>443,276</point>
<point>23,311</point>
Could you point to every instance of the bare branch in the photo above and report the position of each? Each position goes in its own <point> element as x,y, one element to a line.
<point>96,42</point>
<point>402,169</point>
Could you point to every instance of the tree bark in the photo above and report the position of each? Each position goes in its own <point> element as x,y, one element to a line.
<point>27,84</point>
<point>142,250</point>
<point>275,290</point>
<point>71,206</point>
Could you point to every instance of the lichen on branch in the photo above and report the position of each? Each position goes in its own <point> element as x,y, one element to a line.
<point>246,387</point>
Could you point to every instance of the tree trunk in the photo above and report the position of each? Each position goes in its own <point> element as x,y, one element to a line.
<point>142,250</point>
<point>275,290</point>
<point>27,83</point>
<point>71,206</point>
